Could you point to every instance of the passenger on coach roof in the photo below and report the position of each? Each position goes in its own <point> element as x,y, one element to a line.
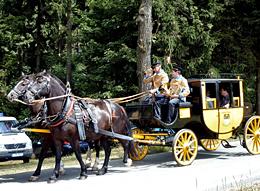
<point>158,79</point>
<point>177,92</point>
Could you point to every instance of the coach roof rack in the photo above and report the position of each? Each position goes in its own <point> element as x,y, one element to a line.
<point>216,76</point>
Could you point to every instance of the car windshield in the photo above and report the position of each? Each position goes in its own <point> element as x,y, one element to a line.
<point>5,126</point>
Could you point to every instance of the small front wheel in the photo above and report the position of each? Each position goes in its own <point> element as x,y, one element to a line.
<point>185,147</point>
<point>140,150</point>
<point>210,144</point>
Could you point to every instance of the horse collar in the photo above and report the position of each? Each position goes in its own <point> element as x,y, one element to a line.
<point>63,116</point>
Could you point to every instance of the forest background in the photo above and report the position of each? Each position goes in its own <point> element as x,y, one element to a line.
<point>96,44</point>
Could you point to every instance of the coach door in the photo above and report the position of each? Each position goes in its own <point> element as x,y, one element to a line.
<point>230,113</point>
<point>209,105</point>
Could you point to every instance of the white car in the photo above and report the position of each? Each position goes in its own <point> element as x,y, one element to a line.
<point>14,144</point>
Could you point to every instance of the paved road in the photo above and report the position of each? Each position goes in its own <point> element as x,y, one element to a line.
<point>210,171</point>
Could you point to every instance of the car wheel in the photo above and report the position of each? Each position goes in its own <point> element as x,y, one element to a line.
<point>26,160</point>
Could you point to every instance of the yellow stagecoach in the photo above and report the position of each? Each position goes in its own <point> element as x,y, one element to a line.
<point>199,121</point>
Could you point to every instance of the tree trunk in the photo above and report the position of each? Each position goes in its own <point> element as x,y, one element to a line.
<point>39,38</point>
<point>69,42</point>
<point>258,86</point>
<point>144,43</point>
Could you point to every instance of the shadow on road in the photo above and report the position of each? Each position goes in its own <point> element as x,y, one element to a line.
<point>159,160</point>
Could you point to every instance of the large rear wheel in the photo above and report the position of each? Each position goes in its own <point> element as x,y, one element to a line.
<point>140,149</point>
<point>185,147</point>
<point>210,144</point>
<point>252,135</point>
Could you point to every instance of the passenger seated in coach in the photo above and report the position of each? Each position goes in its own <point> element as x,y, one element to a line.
<point>210,103</point>
<point>224,98</point>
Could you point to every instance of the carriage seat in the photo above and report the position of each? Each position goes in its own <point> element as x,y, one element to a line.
<point>185,104</point>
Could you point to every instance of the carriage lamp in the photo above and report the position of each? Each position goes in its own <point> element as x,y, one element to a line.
<point>226,120</point>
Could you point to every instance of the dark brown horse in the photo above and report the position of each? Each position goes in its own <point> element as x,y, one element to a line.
<point>36,110</point>
<point>110,116</point>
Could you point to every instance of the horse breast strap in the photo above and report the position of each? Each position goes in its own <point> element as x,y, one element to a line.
<point>64,116</point>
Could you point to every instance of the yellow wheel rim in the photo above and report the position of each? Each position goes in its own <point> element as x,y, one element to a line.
<point>185,147</point>
<point>140,150</point>
<point>252,135</point>
<point>210,144</point>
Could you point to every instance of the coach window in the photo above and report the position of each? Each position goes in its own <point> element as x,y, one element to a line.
<point>211,102</point>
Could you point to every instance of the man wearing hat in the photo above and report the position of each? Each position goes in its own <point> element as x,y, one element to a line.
<point>159,81</point>
<point>159,77</point>
<point>177,92</point>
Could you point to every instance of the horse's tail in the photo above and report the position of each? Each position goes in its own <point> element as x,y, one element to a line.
<point>129,126</point>
<point>132,150</point>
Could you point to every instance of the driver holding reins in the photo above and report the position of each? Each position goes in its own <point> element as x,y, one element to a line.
<point>159,81</point>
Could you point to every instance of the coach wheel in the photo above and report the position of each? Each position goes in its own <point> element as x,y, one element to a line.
<point>252,135</point>
<point>185,147</point>
<point>210,144</point>
<point>140,150</point>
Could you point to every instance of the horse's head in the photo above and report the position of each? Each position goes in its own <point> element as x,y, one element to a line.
<point>39,88</point>
<point>44,85</point>
<point>21,87</point>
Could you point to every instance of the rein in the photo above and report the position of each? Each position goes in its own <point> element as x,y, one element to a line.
<point>51,98</point>
<point>20,101</point>
<point>129,98</point>
<point>115,100</point>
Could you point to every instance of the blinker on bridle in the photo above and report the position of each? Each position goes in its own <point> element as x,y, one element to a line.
<point>18,92</point>
<point>35,90</point>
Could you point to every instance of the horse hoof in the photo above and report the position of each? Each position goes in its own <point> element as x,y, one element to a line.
<point>62,171</point>
<point>33,178</point>
<point>101,172</point>
<point>51,180</point>
<point>83,177</point>
<point>94,168</point>
<point>129,162</point>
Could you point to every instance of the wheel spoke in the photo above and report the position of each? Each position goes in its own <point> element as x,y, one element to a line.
<point>191,142</point>
<point>179,152</point>
<point>258,124</point>
<point>253,126</point>
<point>251,130</point>
<point>180,142</point>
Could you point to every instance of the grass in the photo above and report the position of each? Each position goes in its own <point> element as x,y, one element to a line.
<point>252,187</point>
<point>17,166</point>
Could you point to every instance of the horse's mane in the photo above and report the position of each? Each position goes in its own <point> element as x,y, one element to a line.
<point>58,80</point>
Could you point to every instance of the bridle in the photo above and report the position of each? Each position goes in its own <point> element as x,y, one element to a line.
<point>35,90</point>
<point>19,92</point>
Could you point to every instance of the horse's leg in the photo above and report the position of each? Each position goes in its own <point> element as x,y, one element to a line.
<point>107,148</point>
<point>76,148</point>
<point>61,170</point>
<point>126,146</point>
<point>47,141</point>
<point>97,148</point>
<point>88,158</point>
<point>58,144</point>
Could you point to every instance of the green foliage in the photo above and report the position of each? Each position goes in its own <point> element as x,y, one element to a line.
<point>183,31</point>
<point>203,36</point>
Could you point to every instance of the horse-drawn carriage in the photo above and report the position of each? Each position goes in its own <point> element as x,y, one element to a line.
<point>199,121</point>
